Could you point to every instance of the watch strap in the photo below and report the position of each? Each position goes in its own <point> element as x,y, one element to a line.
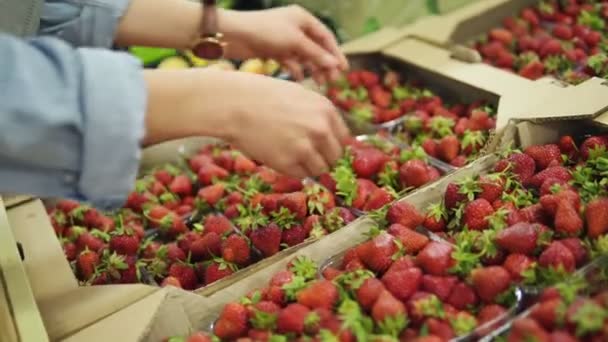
<point>210,21</point>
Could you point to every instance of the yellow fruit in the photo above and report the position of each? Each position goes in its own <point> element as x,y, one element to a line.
<point>271,67</point>
<point>174,63</point>
<point>197,62</point>
<point>255,66</point>
<point>223,64</point>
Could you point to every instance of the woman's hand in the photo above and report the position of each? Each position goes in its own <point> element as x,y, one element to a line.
<point>290,35</point>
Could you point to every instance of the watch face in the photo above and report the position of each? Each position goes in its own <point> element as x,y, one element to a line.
<point>208,49</point>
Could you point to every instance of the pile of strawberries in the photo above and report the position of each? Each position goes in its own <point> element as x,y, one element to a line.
<point>565,39</point>
<point>576,310</point>
<point>375,171</point>
<point>453,133</point>
<point>194,223</point>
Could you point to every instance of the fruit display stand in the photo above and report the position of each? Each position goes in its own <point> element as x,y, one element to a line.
<point>20,319</point>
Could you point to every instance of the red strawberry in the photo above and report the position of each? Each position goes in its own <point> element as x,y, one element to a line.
<point>185,274</point>
<point>591,144</point>
<point>232,323</point>
<point>377,254</point>
<point>533,70</point>
<point>502,35</point>
<point>199,337</point>
<point>292,319</point>
<point>369,291</point>
<point>519,238</point>
<point>319,294</point>
<point>218,224</point>
<point>476,214</point>
<point>244,165</point>
<point>174,253</point>
<point>181,185</point>
<point>294,235</point>
<point>70,250</point>
<point>387,307</point>
<point>530,16</point>
<point>66,205</point>
<point>205,247</point>
<point>550,183</point>
<point>211,194</point>
<point>452,196</point>
<point>439,286</point>
<point>505,59</point>
<point>208,172</point>
<point>436,258</point>
<point>328,182</point>
<point>380,97</point>
<point>217,270</point>
<point>563,336</point>
<point>430,147</point>
<point>404,283</point>
<point>368,162</point>
<point>435,220</point>
<point>404,214</point>
<point>462,296</point>
<point>354,79</point>
<point>440,328</point>
<point>544,155</point>
<point>448,148</point>
<point>296,202</point>
<point>89,240</point>
<point>578,250</point>
<point>124,242</point>
<point>378,199</point>
<point>516,264</point>
<point>527,329</point>
<point>550,202</point>
<point>198,161</point>
<point>567,146</point>
<point>492,49</point>
<point>365,188</point>
<point>596,216</point>
<point>551,47</point>
<point>414,173</point>
<point>286,184</point>
<point>224,159</point>
<point>563,32</point>
<point>545,313</point>
<point>235,249</point>
<point>490,313</point>
<point>267,239</point>
<point>369,79</point>
<point>489,282</point>
<point>557,254</point>
<point>522,166</point>
<point>86,264</point>
<point>567,219</point>
<point>491,189</point>
<point>593,38</point>
<point>412,241</point>
<point>557,172</point>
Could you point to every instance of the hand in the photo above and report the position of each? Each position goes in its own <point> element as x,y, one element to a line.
<point>290,35</point>
<point>289,128</point>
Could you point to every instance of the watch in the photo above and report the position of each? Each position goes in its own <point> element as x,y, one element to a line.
<point>210,44</point>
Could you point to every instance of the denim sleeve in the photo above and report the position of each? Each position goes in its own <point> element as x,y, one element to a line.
<point>83,22</point>
<point>71,120</point>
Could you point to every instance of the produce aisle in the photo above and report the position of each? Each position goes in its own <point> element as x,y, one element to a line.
<point>471,203</point>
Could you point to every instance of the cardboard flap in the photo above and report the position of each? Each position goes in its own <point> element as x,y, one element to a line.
<point>72,311</point>
<point>375,41</point>
<point>45,263</point>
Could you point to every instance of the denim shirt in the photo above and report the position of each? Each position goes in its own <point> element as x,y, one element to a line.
<point>71,111</point>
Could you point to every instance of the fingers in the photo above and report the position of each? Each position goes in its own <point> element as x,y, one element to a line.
<point>317,75</point>
<point>315,164</point>
<point>294,68</point>
<point>310,51</point>
<point>319,33</point>
<point>331,149</point>
<point>339,128</point>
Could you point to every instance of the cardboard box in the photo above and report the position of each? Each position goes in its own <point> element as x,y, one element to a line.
<point>20,319</point>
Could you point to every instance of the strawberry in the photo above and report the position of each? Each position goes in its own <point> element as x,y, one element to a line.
<point>199,337</point>
<point>414,173</point>
<point>70,250</point>
<point>206,247</point>
<point>295,202</point>
<point>551,183</point>
<point>404,283</point>
<point>505,59</point>
<point>171,281</point>
<point>501,35</point>
<point>596,216</point>
<point>90,240</point>
<point>578,250</point>
<point>563,32</point>
<point>380,97</point>
<point>354,79</point>
<point>369,79</point>
<point>567,219</point>
<point>181,185</point>
<point>368,292</point>
<point>185,274</point>
<point>377,254</point>
<point>544,155</point>
<point>368,162</point>
<point>436,258</point>
<point>208,172</point>
<point>404,214</point>
<point>412,241</point>
<point>435,219</point>
<point>211,194</point>
<point>522,166</point>
<point>378,199</point>
<point>551,202</point>
<point>533,70</point>
<point>224,159</point>
<point>218,224</point>
<point>528,43</point>
<point>448,148</point>
<point>440,328</point>
<point>286,184</point>
<point>403,263</point>
<point>476,214</point>
<point>267,239</point>
<point>292,319</point>
<point>243,165</point>
<point>319,294</point>
<point>591,144</point>
<point>489,282</point>
<point>387,308</point>
<point>530,16</point>
<point>551,47</point>
<point>557,172</point>
<point>519,238</point>
<point>516,264</point>
<point>526,329</point>
<point>365,188</point>
<point>217,270</point>
<point>124,242</point>
<point>545,313</point>
<point>492,49</point>
<point>562,336</point>
<point>593,38</point>
<point>174,253</point>
<point>556,255</point>
<point>491,188</point>
<point>328,182</point>
<point>567,146</point>
<point>86,264</point>
<point>452,196</point>
<point>235,249</point>
<point>198,161</point>
<point>462,296</point>
<point>67,205</point>
<point>294,235</point>
<point>490,313</point>
<point>439,286</point>
<point>232,322</point>
<point>430,147</point>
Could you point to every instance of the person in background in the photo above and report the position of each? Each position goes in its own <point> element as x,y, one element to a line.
<point>74,114</point>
